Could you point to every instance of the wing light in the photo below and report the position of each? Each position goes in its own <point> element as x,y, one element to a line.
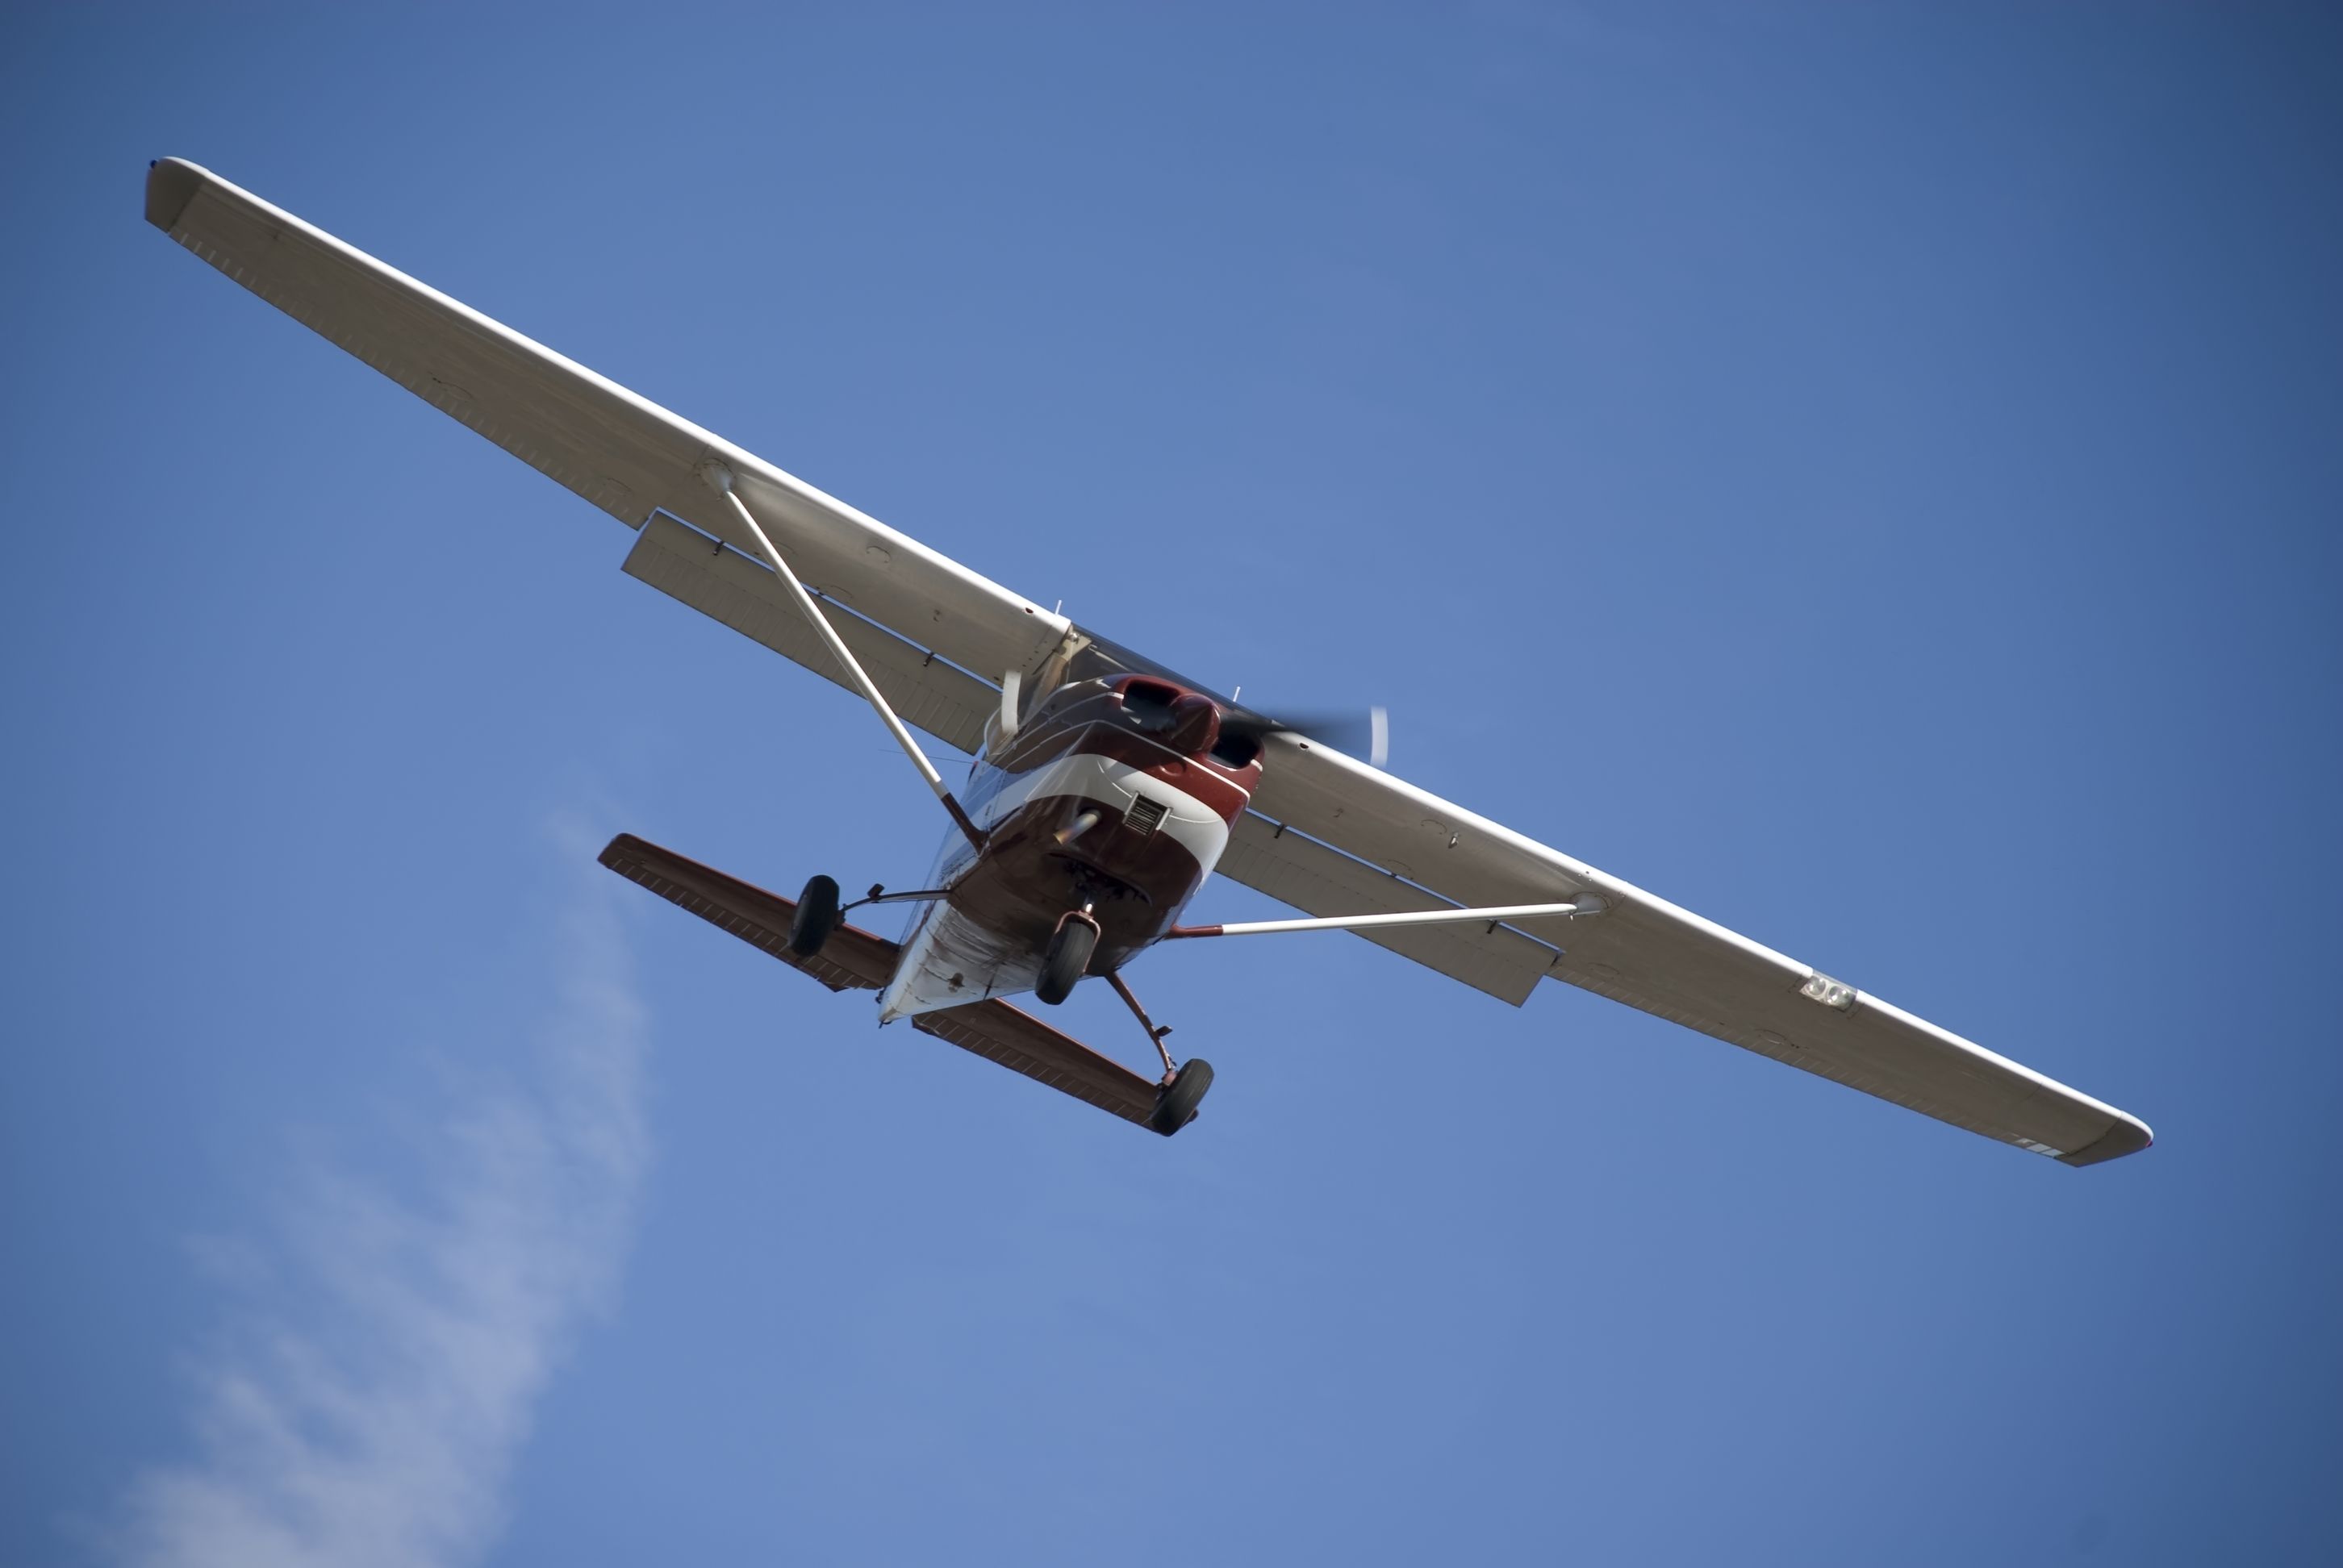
<point>1821,988</point>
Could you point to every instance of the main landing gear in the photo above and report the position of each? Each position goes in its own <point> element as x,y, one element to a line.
<point>1182,1088</point>
<point>820,912</point>
<point>1176,1101</point>
<point>818,915</point>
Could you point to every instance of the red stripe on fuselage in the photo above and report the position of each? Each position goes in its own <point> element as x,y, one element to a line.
<point>1094,723</point>
<point>1140,878</point>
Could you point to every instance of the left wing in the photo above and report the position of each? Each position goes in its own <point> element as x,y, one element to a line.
<point>721,582</point>
<point>621,451</point>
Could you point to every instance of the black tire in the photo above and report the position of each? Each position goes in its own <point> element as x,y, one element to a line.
<point>1176,1102</point>
<point>817,917</point>
<point>1067,960</point>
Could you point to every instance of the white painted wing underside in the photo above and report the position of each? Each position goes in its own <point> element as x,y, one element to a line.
<point>623,453</point>
<point>1295,870</point>
<point>946,703</point>
<point>1650,954</point>
<point>1357,840</point>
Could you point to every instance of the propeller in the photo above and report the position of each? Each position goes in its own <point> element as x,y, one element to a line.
<point>1364,734</point>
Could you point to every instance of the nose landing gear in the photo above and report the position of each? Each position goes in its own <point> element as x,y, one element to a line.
<point>1069,956</point>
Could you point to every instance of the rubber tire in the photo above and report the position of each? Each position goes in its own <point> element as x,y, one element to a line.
<point>1176,1102</point>
<point>1067,960</point>
<point>817,916</point>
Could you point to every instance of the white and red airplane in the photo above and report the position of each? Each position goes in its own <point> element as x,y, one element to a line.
<point>1105,787</point>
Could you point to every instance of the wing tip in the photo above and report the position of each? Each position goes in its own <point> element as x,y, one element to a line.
<point>2129,1135</point>
<point>625,847</point>
<point>171,185</point>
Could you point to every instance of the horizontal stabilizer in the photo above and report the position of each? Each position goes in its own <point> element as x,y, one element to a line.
<point>852,960</point>
<point>855,959</point>
<point>1023,1043</point>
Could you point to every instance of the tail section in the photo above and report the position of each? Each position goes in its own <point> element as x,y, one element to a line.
<point>852,960</point>
<point>855,959</point>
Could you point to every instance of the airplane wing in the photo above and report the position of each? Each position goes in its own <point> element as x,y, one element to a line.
<point>622,452</point>
<point>1327,834</point>
<point>1294,868</point>
<point>1650,954</point>
<point>721,582</point>
<point>856,959</point>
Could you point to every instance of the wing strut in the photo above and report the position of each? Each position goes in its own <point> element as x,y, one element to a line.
<point>1585,904</point>
<point>719,480</point>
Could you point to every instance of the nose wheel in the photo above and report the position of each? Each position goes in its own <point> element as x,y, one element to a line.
<point>1067,958</point>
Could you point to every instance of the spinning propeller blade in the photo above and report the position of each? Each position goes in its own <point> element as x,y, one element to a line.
<point>1364,735</point>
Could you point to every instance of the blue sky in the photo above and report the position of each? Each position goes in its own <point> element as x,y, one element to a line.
<point>1870,476</point>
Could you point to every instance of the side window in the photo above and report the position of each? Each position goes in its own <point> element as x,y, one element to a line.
<point>1148,704</point>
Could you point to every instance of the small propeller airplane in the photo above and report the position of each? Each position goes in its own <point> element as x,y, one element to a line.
<point>1105,787</point>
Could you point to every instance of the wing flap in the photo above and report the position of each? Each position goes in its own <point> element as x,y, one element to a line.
<point>1296,869</point>
<point>721,582</point>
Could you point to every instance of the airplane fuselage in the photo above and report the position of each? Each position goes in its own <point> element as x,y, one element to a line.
<point>1114,796</point>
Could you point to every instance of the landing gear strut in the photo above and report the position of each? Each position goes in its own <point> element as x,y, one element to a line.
<point>1182,1088</point>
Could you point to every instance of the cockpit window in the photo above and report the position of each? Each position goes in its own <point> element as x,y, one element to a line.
<point>1149,704</point>
<point>1236,748</point>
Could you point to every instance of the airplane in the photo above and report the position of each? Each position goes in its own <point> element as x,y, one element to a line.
<point>1104,787</point>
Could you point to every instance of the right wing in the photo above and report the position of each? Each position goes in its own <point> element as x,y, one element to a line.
<point>1663,958</point>
<point>1294,868</point>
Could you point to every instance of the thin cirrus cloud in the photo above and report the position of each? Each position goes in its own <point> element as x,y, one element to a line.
<point>374,1397</point>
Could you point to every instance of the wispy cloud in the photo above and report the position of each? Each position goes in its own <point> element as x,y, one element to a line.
<point>385,1368</point>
